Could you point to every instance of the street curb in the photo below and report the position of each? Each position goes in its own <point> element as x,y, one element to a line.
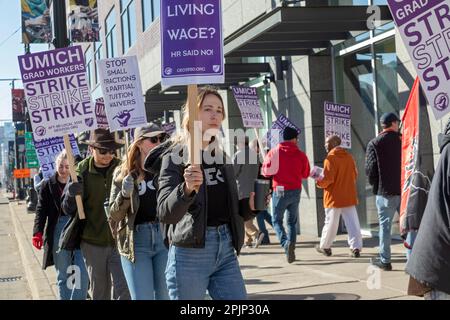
<point>37,280</point>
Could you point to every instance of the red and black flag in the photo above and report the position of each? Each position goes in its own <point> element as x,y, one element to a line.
<point>417,161</point>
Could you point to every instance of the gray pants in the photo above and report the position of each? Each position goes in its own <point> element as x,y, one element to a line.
<point>105,272</point>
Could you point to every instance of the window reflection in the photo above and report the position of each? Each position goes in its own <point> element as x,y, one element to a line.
<point>354,86</point>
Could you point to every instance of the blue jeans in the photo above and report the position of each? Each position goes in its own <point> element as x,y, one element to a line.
<point>145,277</point>
<point>410,238</point>
<point>289,202</point>
<point>261,218</point>
<point>71,274</point>
<point>386,205</point>
<point>192,271</point>
<point>436,295</point>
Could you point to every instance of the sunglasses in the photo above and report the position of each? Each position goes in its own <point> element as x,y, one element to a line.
<point>160,138</point>
<point>105,151</point>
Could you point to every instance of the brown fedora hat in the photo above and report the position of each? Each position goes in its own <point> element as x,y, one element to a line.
<point>103,139</point>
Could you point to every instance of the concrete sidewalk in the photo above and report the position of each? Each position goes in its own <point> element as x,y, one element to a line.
<point>42,283</point>
<point>13,281</point>
<point>316,277</point>
<point>267,274</point>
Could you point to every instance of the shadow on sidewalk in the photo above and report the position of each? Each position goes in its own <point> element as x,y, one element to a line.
<point>320,296</point>
<point>259,267</point>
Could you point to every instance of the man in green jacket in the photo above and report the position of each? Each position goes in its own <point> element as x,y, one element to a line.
<point>97,244</point>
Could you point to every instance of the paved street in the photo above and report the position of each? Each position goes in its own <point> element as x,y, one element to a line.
<point>266,272</point>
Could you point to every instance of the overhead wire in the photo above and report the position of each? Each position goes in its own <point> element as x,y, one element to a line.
<point>10,36</point>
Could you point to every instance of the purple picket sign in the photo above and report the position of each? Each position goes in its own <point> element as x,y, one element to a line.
<point>407,10</point>
<point>248,103</point>
<point>48,149</point>
<point>337,119</point>
<point>274,135</point>
<point>122,92</point>
<point>57,92</point>
<point>191,42</point>
<point>170,128</point>
<point>424,26</point>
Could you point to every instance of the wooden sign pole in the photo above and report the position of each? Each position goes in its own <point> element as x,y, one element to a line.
<point>73,175</point>
<point>195,135</point>
<point>127,145</point>
<point>261,147</point>
<point>116,138</point>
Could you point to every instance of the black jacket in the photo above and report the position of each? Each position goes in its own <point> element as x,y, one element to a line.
<point>185,216</point>
<point>430,258</point>
<point>383,163</point>
<point>47,213</point>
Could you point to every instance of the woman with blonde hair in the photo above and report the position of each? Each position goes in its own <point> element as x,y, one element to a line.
<point>133,210</point>
<point>49,217</point>
<point>199,205</point>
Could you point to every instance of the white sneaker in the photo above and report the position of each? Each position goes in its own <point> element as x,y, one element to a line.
<point>258,240</point>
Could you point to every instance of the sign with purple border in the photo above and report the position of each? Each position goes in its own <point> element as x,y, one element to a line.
<point>122,92</point>
<point>338,122</point>
<point>100,114</point>
<point>170,128</point>
<point>48,149</point>
<point>248,103</point>
<point>275,134</point>
<point>57,92</point>
<point>191,42</point>
<point>424,26</point>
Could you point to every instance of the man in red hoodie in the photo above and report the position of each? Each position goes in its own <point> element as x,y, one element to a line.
<point>288,165</point>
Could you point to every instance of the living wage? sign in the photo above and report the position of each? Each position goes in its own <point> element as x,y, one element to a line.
<point>191,42</point>
<point>57,92</point>
<point>425,29</point>
<point>338,122</point>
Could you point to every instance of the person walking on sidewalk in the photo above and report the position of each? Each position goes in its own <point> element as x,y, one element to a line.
<point>263,216</point>
<point>97,243</point>
<point>50,216</point>
<point>246,171</point>
<point>140,239</point>
<point>38,179</point>
<point>288,165</point>
<point>200,206</point>
<point>383,162</point>
<point>339,197</point>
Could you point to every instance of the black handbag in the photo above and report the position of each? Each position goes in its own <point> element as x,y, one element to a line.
<point>71,235</point>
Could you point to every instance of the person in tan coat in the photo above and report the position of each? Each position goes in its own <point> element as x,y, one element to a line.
<point>339,197</point>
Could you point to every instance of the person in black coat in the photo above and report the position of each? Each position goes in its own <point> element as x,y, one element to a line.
<point>200,205</point>
<point>429,264</point>
<point>50,221</point>
<point>383,169</point>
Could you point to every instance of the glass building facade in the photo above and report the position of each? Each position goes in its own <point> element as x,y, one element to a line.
<point>365,76</point>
